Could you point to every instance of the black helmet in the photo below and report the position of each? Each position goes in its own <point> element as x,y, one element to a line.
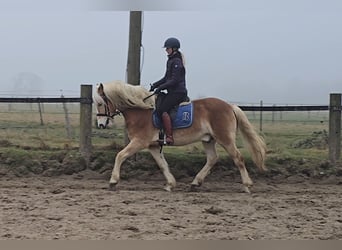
<point>172,43</point>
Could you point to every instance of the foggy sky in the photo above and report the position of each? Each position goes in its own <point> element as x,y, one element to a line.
<point>281,52</point>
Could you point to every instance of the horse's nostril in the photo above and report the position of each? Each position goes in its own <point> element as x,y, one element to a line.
<point>102,126</point>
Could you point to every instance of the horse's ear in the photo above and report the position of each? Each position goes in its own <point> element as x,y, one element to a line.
<point>99,87</point>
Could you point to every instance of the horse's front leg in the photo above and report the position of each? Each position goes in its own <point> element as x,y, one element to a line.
<point>164,167</point>
<point>128,151</point>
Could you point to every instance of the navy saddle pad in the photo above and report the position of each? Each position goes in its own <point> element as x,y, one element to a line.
<point>182,118</point>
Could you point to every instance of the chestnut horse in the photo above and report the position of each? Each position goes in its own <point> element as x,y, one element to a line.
<point>214,122</point>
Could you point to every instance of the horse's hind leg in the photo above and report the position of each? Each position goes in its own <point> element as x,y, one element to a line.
<point>210,150</point>
<point>239,162</point>
<point>164,167</point>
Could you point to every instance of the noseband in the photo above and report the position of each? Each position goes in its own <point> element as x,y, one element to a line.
<point>107,112</point>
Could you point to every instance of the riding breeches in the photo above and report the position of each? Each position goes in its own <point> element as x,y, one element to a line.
<point>170,100</point>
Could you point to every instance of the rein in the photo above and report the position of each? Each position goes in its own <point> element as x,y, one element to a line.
<point>109,115</point>
<point>154,93</point>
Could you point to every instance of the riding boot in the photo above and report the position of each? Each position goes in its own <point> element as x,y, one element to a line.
<point>167,128</point>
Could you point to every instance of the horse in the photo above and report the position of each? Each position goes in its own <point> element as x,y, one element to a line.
<point>214,122</point>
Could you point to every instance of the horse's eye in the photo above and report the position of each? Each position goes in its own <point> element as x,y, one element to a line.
<point>99,105</point>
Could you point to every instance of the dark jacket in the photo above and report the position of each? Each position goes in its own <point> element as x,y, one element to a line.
<point>174,78</point>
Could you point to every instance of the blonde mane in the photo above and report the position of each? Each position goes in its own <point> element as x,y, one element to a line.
<point>124,95</point>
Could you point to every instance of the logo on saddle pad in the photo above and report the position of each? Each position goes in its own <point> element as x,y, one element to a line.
<point>181,118</point>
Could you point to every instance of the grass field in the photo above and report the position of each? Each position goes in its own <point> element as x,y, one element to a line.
<point>22,126</point>
<point>296,136</point>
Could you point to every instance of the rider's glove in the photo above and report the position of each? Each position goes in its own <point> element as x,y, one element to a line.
<point>152,87</point>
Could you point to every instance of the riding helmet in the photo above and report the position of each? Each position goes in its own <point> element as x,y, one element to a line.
<point>172,43</point>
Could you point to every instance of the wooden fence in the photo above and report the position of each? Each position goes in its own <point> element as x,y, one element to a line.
<point>86,101</point>
<point>334,108</point>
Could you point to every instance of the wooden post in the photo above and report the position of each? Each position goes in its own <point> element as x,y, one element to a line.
<point>67,119</point>
<point>133,60</point>
<point>86,121</point>
<point>273,114</point>
<point>334,127</point>
<point>261,104</point>
<point>134,46</point>
<point>40,114</point>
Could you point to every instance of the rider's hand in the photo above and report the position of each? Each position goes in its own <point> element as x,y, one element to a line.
<point>158,90</point>
<point>152,87</point>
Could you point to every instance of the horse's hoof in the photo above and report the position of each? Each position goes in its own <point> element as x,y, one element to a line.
<point>246,189</point>
<point>167,188</point>
<point>112,186</point>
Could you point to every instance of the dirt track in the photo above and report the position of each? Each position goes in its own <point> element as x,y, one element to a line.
<point>81,207</point>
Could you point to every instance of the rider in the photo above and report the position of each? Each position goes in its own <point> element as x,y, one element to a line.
<point>174,82</point>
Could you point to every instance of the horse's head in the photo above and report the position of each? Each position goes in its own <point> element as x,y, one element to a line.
<point>105,110</point>
<point>112,97</point>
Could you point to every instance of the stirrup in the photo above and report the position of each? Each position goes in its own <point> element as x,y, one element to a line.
<point>165,142</point>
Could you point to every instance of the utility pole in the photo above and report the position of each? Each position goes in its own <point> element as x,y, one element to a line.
<point>134,46</point>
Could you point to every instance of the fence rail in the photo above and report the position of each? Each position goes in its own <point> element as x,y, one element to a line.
<point>89,100</point>
<point>46,100</point>
<point>284,108</point>
<point>86,111</point>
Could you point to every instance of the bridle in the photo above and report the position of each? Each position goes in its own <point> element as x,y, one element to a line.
<point>107,113</point>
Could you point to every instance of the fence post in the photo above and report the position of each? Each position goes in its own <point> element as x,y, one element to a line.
<point>273,114</point>
<point>334,127</point>
<point>67,119</point>
<point>40,114</point>
<point>86,121</point>
<point>261,104</point>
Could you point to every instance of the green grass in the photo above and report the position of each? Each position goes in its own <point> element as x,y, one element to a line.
<point>293,139</point>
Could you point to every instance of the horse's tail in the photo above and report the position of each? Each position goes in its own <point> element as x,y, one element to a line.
<point>255,144</point>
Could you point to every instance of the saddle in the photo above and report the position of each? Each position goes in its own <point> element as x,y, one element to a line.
<point>181,115</point>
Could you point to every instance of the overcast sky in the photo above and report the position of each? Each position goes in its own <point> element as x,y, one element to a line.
<point>281,52</point>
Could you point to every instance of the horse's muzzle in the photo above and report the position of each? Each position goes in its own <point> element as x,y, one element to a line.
<point>101,126</point>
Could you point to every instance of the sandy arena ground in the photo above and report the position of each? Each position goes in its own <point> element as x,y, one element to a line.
<point>81,207</point>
